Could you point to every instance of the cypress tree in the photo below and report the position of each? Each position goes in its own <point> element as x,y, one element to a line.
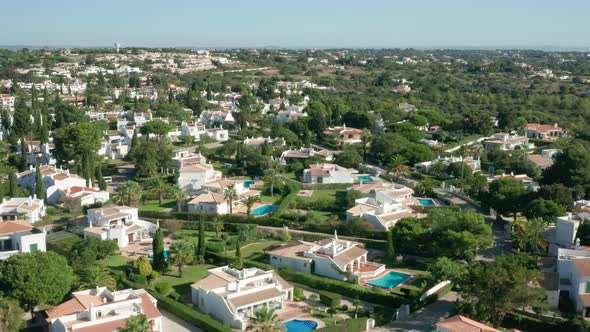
<point>158,247</point>
<point>102,184</point>
<point>209,93</point>
<point>170,96</point>
<point>12,186</point>
<point>40,191</point>
<point>390,248</point>
<point>189,97</point>
<point>2,193</point>
<point>201,242</point>
<point>238,264</point>
<point>44,135</point>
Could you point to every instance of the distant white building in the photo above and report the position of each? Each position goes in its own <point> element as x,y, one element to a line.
<point>426,166</point>
<point>36,153</point>
<point>55,181</point>
<point>215,118</point>
<point>526,180</point>
<point>29,208</point>
<point>120,224</point>
<point>233,296</point>
<point>292,155</point>
<point>211,197</point>
<point>573,266</point>
<point>328,173</point>
<point>194,176</point>
<point>75,198</point>
<point>18,236</point>
<point>7,102</point>
<point>506,142</point>
<point>99,309</point>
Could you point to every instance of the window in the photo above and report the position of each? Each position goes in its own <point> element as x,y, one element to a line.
<point>587,287</point>
<point>33,247</point>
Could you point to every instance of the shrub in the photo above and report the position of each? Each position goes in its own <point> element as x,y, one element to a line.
<point>382,314</point>
<point>298,294</point>
<point>163,288</point>
<point>143,266</point>
<point>139,279</point>
<point>349,325</point>
<point>153,276</point>
<point>330,299</point>
<point>344,307</point>
<point>215,245</point>
<point>190,315</point>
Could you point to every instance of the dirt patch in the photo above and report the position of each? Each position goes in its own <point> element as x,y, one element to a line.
<point>305,193</point>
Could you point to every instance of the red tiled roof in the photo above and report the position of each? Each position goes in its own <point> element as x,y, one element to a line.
<point>13,226</point>
<point>460,323</point>
<point>541,127</point>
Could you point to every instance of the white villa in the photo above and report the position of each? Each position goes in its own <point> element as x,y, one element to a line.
<point>573,266</point>
<point>305,153</point>
<point>18,236</point>
<point>120,224</point>
<point>506,142</point>
<point>197,130</point>
<point>99,309</point>
<point>76,197</point>
<point>215,118</point>
<point>194,176</point>
<point>328,173</point>
<point>211,197</point>
<point>55,180</point>
<point>426,166</point>
<point>29,208</point>
<point>330,257</point>
<point>384,206</point>
<point>345,135</point>
<point>526,180</point>
<point>255,142</point>
<point>36,153</point>
<point>232,296</point>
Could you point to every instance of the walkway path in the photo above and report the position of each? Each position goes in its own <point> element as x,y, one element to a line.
<point>425,318</point>
<point>278,229</point>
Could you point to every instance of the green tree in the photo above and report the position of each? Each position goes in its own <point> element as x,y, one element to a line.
<point>249,202</point>
<point>544,209</point>
<point>390,248</point>
<point>201,246</point>
<point>156,127</point>
<point>127,193</point>
<point>349,157</point>
<point>530,236</point>
<point>571,168</point>
<point>158,248</point>
<point>218,227</point>
<point>230,195</point>
<point>182,252</point>
<point>178,195</point>
<point>137,323</point>
<point>160,187</point>
<point>36,278</point>
<point>102,184</point>
<point>271,178</point>
<point>410,235</point>
<point>447,269</point>
<point>12,186</point>
<point>490,290</point>
<point>39,190</point>
<point>238,263</point>
<point>506,196</point>
<point>97,276</point>
<point>399,167</point>
<point>11,315</point>
<point>266,320</point>
<point>143,266</point>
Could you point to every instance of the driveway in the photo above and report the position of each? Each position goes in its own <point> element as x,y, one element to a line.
<point>171,323</point>
<point>424,319</point>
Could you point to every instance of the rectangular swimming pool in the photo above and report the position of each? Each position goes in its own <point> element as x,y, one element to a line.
<point>390,280</point>
<point>265,209</point>
<point>365,178</point>
<point>426,202</point>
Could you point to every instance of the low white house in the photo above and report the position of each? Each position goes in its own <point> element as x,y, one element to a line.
<point>211,197</point>
<point>330,257</point>
<point>120,224</point>
<point>18,236</point>
<point>29,208</point>
<point>573,266</point>
<point>328,173</point>
<point>292,155</point>
<point>233,296</point>
<point>194,176</point>
<point>384,205</point>
<point>36,153</point>
<point>76,197</point>
<point>426,166</point>
<point>99,309</point>
<point>208,202</point>
<point>505,142</point>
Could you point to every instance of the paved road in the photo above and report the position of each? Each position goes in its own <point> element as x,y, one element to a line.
<point>172,323</point>
<point>424,319</point>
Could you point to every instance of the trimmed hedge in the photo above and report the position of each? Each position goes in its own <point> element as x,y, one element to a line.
<point>186,313</point>
<point>292,191</point>
<point>349,325</point>
<point>330,299</point>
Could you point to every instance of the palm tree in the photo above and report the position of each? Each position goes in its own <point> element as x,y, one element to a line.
<point>231,195</point>
<point>529,236</point>
<point>366,139</point>
<point>182,252</point>
<point>160,187</point>
<point>138,323</point>
<point>399,167</point>
<point>178,195</point>
<point>249,202</point>
<point>96,276</point>
<point>271,178</point>
<point>218,227</point>
<point>127,192</point>
<point>357,303</point>
<point>266,320</point>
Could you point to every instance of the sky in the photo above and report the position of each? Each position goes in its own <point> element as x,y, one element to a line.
<point>298,24</point>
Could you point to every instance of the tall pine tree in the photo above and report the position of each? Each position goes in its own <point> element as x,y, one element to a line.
<point>158,247</point>
<point>102,184</point>
<point>12,186</point>
<point>39,189</point>
<point>201,242</point>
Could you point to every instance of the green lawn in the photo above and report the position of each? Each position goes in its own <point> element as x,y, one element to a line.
<point>116,262</point>
<point>154,205</point>
<point>255,251</point>
<point>192,273</point>
<point>55,215</point>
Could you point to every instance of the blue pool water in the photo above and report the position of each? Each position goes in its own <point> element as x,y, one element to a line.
<point>151,256</point>
<point>426,202</point>
<point>265,209</point>
<point>297,325</point>
<point>365,178</point>
<point>390,280</point>
<point>248,183</point>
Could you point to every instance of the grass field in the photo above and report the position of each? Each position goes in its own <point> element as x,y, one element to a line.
<point>154,205</point>
<point>192,273</point>
<point>116,262</point>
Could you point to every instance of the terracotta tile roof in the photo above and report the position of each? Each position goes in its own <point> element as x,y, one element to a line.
<point>582,265</point>
<point>396,216</point>
<point>541,127</point>
<point>211,281</point>
<point>113,325</point>
<point>281,281</point>
<point>69,307</point>
<point>539,160</point>
<point>87,300</point>
<point>460,323</point>
<point>13,226</point>
<point>208,197</point>
<point>264,295</point>
<point>149,308</point>
<point>293,250</point>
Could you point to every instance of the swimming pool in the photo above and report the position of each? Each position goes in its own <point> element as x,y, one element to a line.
<point>248,183</point>
<point>365,178</point>
<point>151,256</point>
<point>265,209</point>
<point>426,202</point>
<point>297,325</point>
<point>390,280</point>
